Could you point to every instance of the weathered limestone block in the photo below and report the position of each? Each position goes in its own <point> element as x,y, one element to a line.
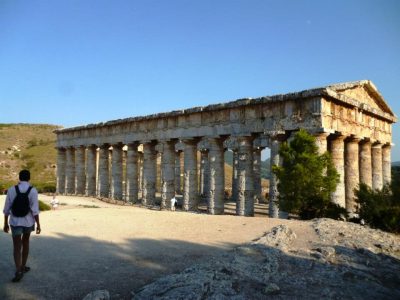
<point>149,173</point>
<point>90,189</point>
<point>386,164</point>
<point>273,181</point>
<point>132,172</point>
<point>217,176</point>
<point>61,170</point>
<point>245,202</point>
<point>352,175</point>
<point>190,192</point>
<point>322,142</point>
<point>377,174</point>
<point>365,163</point>
<point>168,174</point>
<point>337,152</point>
<point>70,171</point>
<point>257,175</point>
<point>104,174</point>
<point>178,183</point>
<point>116,172</point>
<point>80,181</point>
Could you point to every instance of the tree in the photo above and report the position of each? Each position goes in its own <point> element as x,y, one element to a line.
<point>307,179</point>
<point>380,208</point>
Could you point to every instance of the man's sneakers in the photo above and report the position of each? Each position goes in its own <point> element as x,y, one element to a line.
<point>18,275</point>
<point>26,269</point>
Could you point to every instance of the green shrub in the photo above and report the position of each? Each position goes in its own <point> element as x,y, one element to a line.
<point>45,187</point>
<point>43,206</point>
<point>379,208</point>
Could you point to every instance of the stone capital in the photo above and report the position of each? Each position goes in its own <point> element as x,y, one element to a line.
<point>104,146</point>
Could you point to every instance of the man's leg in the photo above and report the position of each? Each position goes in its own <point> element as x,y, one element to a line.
<point>17,243</point>
<point>25,249</point>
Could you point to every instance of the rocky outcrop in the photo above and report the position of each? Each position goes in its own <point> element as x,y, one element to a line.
<point>346,260</point>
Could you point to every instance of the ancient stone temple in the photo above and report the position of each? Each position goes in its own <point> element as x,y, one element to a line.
<point>118,159</point>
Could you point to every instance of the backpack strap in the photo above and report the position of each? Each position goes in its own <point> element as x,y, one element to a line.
<point>29,190</point>
<point>18,191</point>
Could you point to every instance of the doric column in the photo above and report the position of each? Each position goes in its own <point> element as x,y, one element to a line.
<point>178,172</point>
<point>245,201</point>
<point>216,176</point>
<point>167,174</point>
<point>257,174</point>
<point>190,193</point>
<point>149,173</point>
<point>61,162</point>
<point>386,164</point>
<point>80,176</point>
<point>132,172</point>
<point>273,181</point>
<point>377,178</point>
<point>365,163</point>
<point>70,171</point>
<point>204,174</point>
<point>91,170</point>
<point>321,142</point>
<point>116,172</point>
<point>337,152</point>
<point>140,162</point>
<point>104,175</point>
<point>235,161</point>
<point>352,175</point>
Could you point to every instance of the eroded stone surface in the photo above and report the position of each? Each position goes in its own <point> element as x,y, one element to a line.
<point>348,261</point>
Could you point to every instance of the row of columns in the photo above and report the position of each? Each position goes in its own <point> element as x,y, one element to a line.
<point>77,173</point>
<point>356,160</point>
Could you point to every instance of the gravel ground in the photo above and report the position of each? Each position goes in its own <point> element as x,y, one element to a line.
<point>88,245</point>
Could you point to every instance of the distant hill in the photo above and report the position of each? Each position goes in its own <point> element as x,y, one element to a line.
<point>265,168</point>
<point>396,164</point>
<point>27,146</point>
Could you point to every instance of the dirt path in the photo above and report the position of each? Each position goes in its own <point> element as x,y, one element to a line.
<point>88,245</point>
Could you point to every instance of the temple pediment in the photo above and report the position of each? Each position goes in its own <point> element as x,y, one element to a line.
<point>363,91</point>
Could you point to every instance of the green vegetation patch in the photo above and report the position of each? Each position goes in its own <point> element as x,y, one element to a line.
<point>43,206</point>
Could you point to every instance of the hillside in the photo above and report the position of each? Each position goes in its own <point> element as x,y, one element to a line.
<point>27,146</point>
<point>265,169</point>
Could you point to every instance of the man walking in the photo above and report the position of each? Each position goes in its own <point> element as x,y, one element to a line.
<point>22,206</point>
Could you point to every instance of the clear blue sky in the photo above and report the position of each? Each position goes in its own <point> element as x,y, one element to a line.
<point>78,62</point>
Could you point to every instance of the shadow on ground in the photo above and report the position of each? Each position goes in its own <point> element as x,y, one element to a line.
<point>69,267</point>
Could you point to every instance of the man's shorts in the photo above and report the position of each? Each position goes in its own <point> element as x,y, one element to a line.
<point>19,230</point>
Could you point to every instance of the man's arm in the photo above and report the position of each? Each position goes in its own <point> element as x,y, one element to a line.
<point>38,229</point>
<point>35,208</point>
<point>6,227</point>
<point>6,211</point>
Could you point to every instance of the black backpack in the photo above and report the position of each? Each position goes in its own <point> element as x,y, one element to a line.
<point>20,206</point>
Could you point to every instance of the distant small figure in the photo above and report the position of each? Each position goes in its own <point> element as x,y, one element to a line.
<point>173,203</point>
<point>54,203</point>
